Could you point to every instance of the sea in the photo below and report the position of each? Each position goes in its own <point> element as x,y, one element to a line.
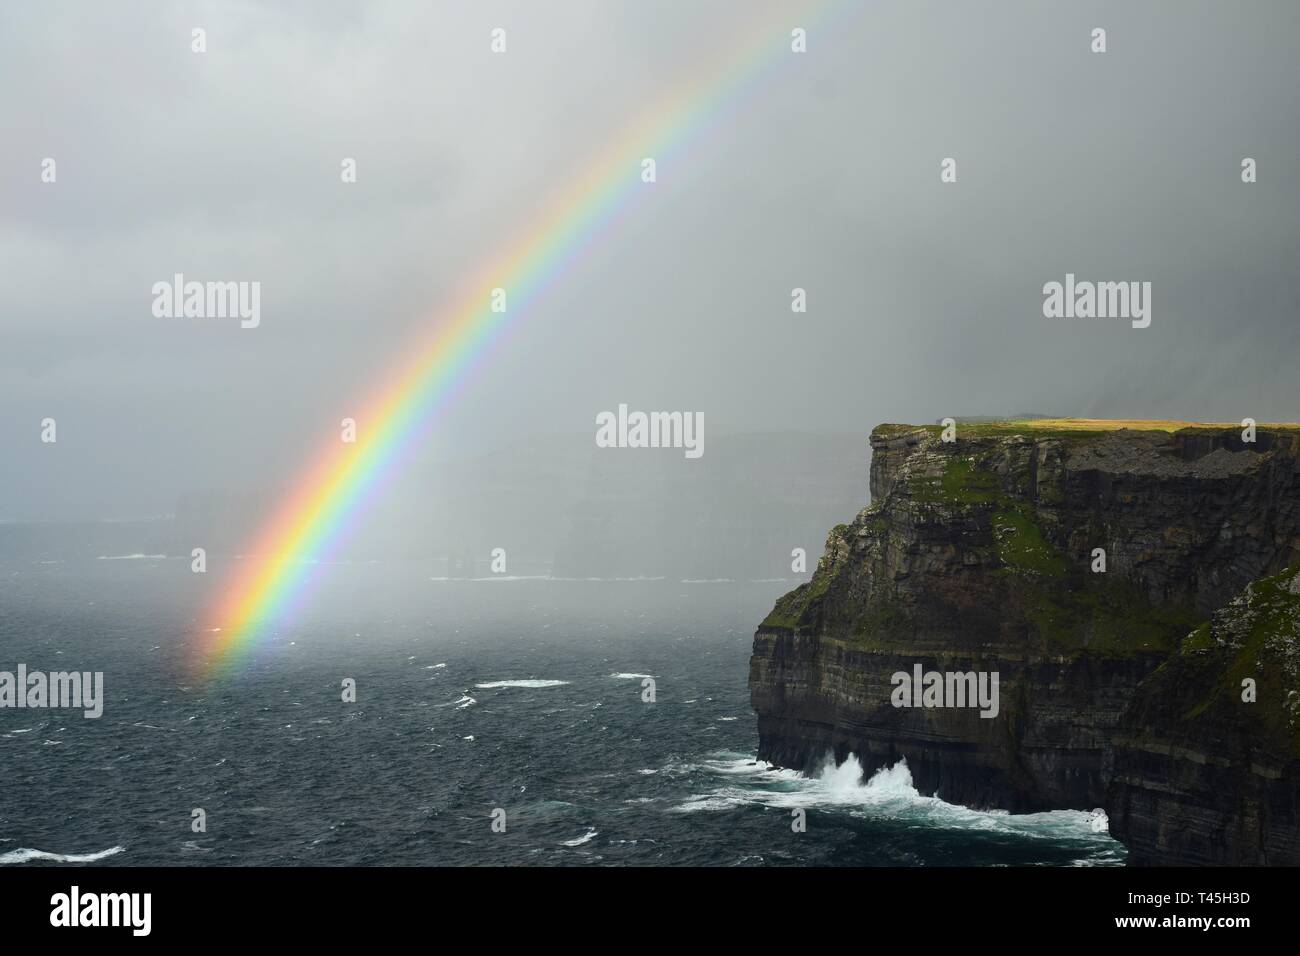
<point>513,720</point>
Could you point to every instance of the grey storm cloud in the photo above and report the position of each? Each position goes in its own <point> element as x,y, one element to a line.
<point>924,299</point>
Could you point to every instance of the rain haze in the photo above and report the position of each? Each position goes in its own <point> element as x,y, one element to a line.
<point>923,299</point>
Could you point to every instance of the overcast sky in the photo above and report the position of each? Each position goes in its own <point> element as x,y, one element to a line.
<point>924,299</point>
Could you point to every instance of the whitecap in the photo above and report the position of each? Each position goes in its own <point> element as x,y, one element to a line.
<point>579,841</point>
<point>520,683</point>
<point>26,855</point>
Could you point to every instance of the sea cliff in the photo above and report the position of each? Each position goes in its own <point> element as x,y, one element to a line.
<point>1094,567</point>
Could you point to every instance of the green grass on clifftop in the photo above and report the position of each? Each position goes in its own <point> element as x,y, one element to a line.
<point>1067,428</point>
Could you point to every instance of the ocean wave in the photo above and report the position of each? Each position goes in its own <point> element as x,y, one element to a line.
<point>622,676</point>
<point>888,794</point>
<point>579,841</point>
<point>26,855</point>
<point>460,703</point>
<point>131,557</point>
<point>492,685</point>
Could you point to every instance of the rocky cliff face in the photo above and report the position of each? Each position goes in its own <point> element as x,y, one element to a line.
<point>981,555</point>
<point>1206,764</point>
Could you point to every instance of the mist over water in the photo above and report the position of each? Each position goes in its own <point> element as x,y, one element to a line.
<point>524,695</point>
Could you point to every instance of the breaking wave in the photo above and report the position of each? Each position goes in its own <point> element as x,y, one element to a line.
<point>579,841</point>
<point>889,794</point>
<point>27,855</point>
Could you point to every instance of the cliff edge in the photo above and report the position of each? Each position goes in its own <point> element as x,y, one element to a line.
<point>1100,570</point>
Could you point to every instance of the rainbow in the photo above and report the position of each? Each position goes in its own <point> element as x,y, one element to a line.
<point>331,495</point>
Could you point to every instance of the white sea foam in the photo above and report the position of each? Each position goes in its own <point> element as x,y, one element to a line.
<point>579,841</point>
<point>888,794</point>
<point>26,855</point>
<point>130,557</point>
<point>492,685</point>
<point>629,676</point>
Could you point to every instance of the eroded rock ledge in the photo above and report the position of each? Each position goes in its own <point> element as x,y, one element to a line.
<point>978,554</point>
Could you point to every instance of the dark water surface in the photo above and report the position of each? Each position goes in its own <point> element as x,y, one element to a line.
<point>523,695</point>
